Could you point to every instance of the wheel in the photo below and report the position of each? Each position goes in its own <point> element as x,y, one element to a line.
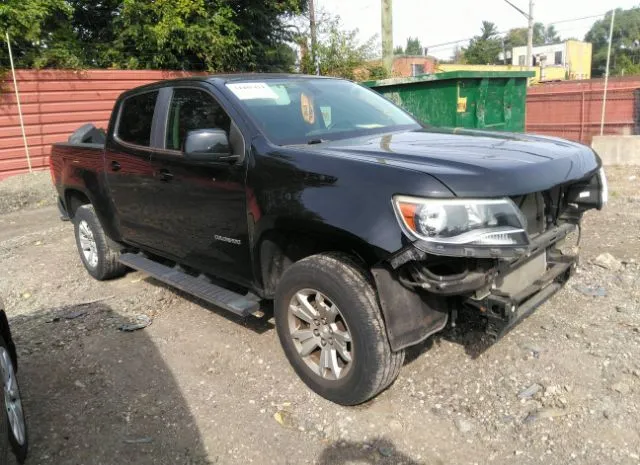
<point>97,255</point>
<point>13,426</point>
<point>331,329</point>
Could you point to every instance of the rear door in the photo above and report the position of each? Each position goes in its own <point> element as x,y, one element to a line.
<point>202,205</point>
<point>128,166</point>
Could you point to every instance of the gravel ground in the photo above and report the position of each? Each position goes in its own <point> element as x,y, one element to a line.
<point>26,191</point>
<point>198,386</point>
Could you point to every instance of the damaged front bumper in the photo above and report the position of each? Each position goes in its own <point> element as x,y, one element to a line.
<point>417,303</point>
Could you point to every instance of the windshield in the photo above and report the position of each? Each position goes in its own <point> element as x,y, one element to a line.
<point>301,111</point>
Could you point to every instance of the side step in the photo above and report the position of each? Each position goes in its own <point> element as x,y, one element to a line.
<point>196,286</point>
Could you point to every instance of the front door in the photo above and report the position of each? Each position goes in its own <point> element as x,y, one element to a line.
<point>202,203</point>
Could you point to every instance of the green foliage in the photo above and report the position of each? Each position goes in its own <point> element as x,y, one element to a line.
<point>551,36</point>
<point>625,50</point>
<point>414,47</point>
<point>485,48</point>
<point>38,31</point>
<point>542,35</point>
<point>200,35</point>
<point>338,51</point>
<point>377,71</point>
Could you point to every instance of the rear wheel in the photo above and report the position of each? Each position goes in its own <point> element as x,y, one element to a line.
<point>97,255</point>
<point>13,426</point>
<point>331,329</point>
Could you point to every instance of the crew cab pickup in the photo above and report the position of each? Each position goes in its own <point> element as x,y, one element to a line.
<point>369,230</point>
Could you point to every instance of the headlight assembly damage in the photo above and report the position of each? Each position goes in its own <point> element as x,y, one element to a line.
<point>463,227</point>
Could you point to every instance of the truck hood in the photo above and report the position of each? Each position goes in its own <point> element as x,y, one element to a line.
<point>475,163</point>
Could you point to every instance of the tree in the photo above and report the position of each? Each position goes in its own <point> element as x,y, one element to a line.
<point>36,28</point>
<point>201,35</point>
<point>551,36</point>
<point>485,48</point>
<point>625,49</point>
<point>458,55</point>
<point>542,35</point>
<point>339,51</point>
<point>398,50</point>
<point>414,47</point>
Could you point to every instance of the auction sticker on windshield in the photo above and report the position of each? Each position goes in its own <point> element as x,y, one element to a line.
<point>252,90</point>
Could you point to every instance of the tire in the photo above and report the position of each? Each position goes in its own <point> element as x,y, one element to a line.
<point>19,443</point>
<point>97,255</point>
<point>338,280</point>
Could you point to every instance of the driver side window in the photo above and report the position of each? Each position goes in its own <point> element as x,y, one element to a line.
<point>193,109</point>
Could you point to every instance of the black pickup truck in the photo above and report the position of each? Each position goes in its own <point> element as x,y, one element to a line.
<point>369,230</point>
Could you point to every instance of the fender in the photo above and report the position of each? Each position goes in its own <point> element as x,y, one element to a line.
<point>293,188</point>
<point>83,171</point>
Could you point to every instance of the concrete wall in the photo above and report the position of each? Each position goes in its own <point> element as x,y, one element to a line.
<point>618,150</point>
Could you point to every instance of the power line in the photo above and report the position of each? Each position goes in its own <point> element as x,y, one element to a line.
<point>453,42</point>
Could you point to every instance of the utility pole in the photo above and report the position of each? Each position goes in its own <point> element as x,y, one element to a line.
<point>387,34</point>
<point>530,30</point>
<point>314,38</point>
<point>530,36</point>
<point>606,73</point>
<point>15,88</point>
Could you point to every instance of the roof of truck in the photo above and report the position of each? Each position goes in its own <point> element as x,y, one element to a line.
<point>225,78</point>
<point>262,76</point>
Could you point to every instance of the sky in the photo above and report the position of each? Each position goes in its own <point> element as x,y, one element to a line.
<point>436,22</point>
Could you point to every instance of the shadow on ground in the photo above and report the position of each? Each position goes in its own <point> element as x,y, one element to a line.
<point>379,452</point>
<point>468,332</point>
<point>96,395</point>
<point>257,324</point>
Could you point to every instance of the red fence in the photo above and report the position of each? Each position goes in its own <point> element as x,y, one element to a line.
<point>573,109</point>
<point>54,103</point>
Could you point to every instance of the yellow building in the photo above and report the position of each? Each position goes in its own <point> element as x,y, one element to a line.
<point>571,58</point>
<point>566,61</point>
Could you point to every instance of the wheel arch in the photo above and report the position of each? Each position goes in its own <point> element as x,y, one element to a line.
<point>73,199</point>
<point>279,248</point>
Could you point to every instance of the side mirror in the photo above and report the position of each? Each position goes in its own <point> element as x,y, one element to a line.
<point>208,145</point>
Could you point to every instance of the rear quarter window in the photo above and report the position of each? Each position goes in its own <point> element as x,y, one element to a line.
<point>136,117</point>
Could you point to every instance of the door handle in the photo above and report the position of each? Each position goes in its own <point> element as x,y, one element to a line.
<point>166,175</point>
<point>115,166</point>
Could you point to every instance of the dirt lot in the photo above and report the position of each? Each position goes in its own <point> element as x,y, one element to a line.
<point>200,387</point>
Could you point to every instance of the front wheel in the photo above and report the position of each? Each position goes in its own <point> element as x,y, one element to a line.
<point>331,329</point>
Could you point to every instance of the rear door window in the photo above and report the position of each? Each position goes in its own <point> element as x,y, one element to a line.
<point>136,118</point>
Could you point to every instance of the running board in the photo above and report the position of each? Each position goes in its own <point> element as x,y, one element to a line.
<point>197,286</point>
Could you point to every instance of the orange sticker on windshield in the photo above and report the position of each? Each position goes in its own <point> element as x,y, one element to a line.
<point>306,107</point>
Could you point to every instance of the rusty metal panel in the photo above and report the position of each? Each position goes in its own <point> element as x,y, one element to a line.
<point>572,109</point>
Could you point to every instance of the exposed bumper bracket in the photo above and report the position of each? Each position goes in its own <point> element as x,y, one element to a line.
<point>504,311</point>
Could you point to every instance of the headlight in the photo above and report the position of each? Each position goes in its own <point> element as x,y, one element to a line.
<point>491,223</point>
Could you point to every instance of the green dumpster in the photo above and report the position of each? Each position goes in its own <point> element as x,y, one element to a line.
<point>492,100</point>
